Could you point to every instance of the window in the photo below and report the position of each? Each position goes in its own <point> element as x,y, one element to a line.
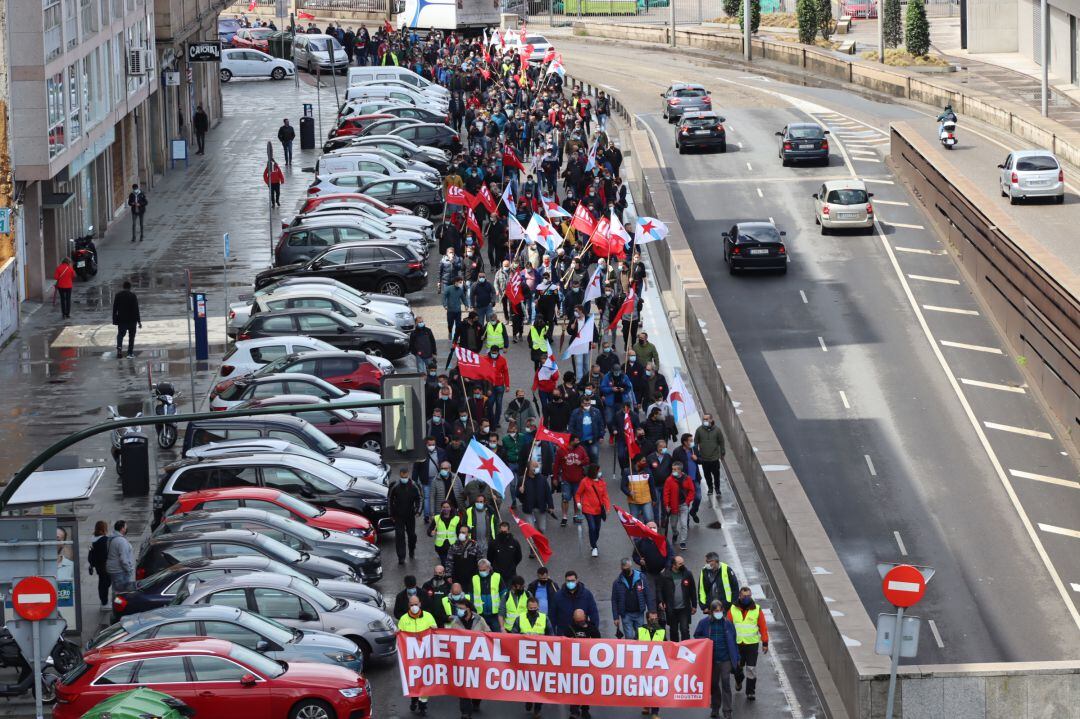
<point>278,535</point>
<point>74,104</point>
<point>269,353</point>
<point>229,598</point>
<point>265,390</point>
<point>353,234</point>
<point>177,629</point>
<point>54,34</point>
<point>232,632</point>
<point>317,323</point>
<point>314,303</point>
<point>847,197</point>
<point>117,675</point>
<point>304,348</point>
<point>332,258</point>
<point>317,417</point>
<point>71,23</point>
<point>270,506</point>
<point>193,479</point>
<point>54,96</point>
<point>219,549</point>
<point>284,479</point>
<point>302,367</point>
<point>403,186</point>
<point>365,255</point>
<point>162,670</point>
<point>276,324</point>
<point>336,366</point>
<point>1036,163</point>
<point>217,505</point>
<point>203,576</point>
<point>278,604</point>
<point>182,553</point>
<point>305,388</point>
<point>216,669</point>
<point>236,477</point>
<point>380,189</point>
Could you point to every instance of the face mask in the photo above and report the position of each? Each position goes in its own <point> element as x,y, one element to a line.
<point>484,574</point>
<point>482,279</point>
<point>462,537</point>
<point>676,475</point>
<point>648,373</point>
<point>414,609</point>
<point>664,450</point>
<point>708,423</point>
<point>718,615</point>
<point>479,506</point>
<point>628,573</point>
<point>421,324</point>
<point>460,613</point>
<point>436,420</point>
<point>532,615</point>
<point>464,417</point>
<point>571,585</point>
<point>476,395</point>
<point>633,358</point>
<point>746,601</point>
<point>431,373</point>
<point>678,567</point>
<point>608,350</point>
<point>411,591</point>
<point>431,448</point>
<point>403,480</point>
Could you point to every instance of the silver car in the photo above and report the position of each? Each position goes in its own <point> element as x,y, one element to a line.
<point>364,304</point>
<point>301,605</point>
<point>843,204</point>
<point>683,96</point>
<point>1032,173</point>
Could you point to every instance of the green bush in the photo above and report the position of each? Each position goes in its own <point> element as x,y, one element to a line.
<point>806,12</point>
<point>824,18</point>
<point>731,7</point>
<point>755,16</point>
<point>893,27</point>
<point>918,29</point>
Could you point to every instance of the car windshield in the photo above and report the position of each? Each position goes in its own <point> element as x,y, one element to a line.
<point>690,92</point>
<point>319,43</point>
<point>253,660</point>
<point>805,133</point>
<point>316,435</point>
<point>299,529</point>
<point>705,121</point>
<point>276,549</point>
<point>270,629</point>
<point>154,578</point>
<point>299,506</point>
<point>315,595</point>
<point>1036,163</point>
<point>233,392</point>
<point>535,40</point>
<point>107,636</point>
<point>758,234</point>
<point>847,197</point>
<point>275,366</point>
<point>321,475</point>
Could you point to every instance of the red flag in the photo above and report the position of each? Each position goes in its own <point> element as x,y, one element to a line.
<point>474,366</point>
<point>583,220</point>
<point>486,73</point>
<point>636,529</point>
<point>515,289</point>
<point>549,55</point>
<point>484,197</point>
<point>252,5</point>
<point>527,52</point>
<point>601,245</point>
<point>626,308</point>
<point>534,535</point>
<point>630,437</point>
<point>510,160</point>
<point>472,224</point>
<point>459,196</point>
<point>301,15</point>
<point>559,439</point>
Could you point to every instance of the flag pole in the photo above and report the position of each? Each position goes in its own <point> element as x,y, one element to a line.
<point>633,251</point>
<point>465,394</point>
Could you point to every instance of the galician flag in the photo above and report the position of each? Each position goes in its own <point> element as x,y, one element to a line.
<point>582,340</point>
<point>508,197</point>
<point>540,230</point>
<point>552,208</point>
<point>595,288</point>
<point>549,369</point>
<point>682,402</point>
<point>649,229</point>
<point>483,464</point>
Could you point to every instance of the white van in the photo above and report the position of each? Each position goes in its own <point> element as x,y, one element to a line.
<point>358,75</point>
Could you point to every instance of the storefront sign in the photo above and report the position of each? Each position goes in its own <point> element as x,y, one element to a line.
<point>207,51</point>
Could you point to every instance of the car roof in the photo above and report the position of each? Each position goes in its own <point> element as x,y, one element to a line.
<point>803,125</point>
<point>322,219</point>
<point>202,515</point>
<point>371,243</point>
<point>1033,153</point>
<point>202,535</point>
<point>288,313</point>
<point>134,622</point>
<point>687,86</point>
<point>231,460</point>
<point>225,561</point>
<point>267,493</point>
<point>159,647</point>
<point>313,36</point>
<point>281,400</point>
<point>256,444</point>
<point>756,225</point>
<point>270,579</point>
<point>689,114</point>
<point>261,341</point>
<point>276,419</point>
<point>845,185</point>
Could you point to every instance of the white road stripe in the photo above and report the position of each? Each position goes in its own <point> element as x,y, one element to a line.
<point>1059,530</point>
<point>937,634</point>
<point>875,181</point>
<point>952,310</point>
<point>1020,474</point>
<point>749,167</point>
<point>803,295</point>
<point>891,202</point>
<point>905,226</point>
<point>870,465</point>
<point>927,278</point>
<point>737,143</point>
<point>900,543</point>
<point>993,385</point>
<point>843,398</point>
<point>1075,587</point>
<point>1018,430</point>
<point>760,193</point>
<point>864,159</point>
<point>915,250</point>
<point>975,348</point>
<point>821,341</point>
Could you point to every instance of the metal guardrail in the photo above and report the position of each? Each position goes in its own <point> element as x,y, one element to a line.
<point>376,6</point>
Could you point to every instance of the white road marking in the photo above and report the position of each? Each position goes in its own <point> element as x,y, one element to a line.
<point>1059,530</point>
<point>927,278</point>
<point>864,159</point>
<point>903,225</point>
<point>870,465</point>
<point>609,87</point>
<point>737,143</point>
<point>914,250</point>
<point>974,348</point>
<point>843,398</point>
<point>876,181</point>
<point>891,202</point>
<point>1018,430</point>
<point>900,543</point>
<point>749,167</point>
<point>952,310</point>
<point>1020,474</point>
<point>993,385</point>
<point>937,634</point>
<point>821,341</point>
<point>1075,587</point>
<point>760,193</point>
<point>803,295</point>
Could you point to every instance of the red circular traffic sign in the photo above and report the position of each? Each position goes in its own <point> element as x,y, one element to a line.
<point>903,585</point>
<point>34,598</point>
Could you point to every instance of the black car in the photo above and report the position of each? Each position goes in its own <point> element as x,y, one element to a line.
<point>308,235</point>
<point>391,268</point>
<point>159,589</point>
<point>417,113</point>
<point>803,142</point>
<point>160,552</point>
<point>342,332</point>
<point>405,149</point>
<point>755,246</point>
<point>700,129</point>
<point>432,134</point>
<point>424,198</point>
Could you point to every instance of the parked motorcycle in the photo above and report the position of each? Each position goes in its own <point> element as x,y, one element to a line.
<point>64,657</point>
<point>117,438</point>
<point>84,254</point>
<point>166,396</point>
<point>947,134</point>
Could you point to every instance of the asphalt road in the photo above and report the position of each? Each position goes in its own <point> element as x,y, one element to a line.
<point>864,356</point>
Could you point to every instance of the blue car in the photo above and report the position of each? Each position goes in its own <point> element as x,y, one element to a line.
<point>803,142</point>
<point>239,626</point>
<point>227,29</point>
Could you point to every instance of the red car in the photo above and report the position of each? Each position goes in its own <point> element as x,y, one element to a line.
<point>343,369</point>
<point>355,125</point>
<point>349,427</point>
<point>253,38</point>
<point>216,678</point>
<point>312,202</point>
<point>278,502</point>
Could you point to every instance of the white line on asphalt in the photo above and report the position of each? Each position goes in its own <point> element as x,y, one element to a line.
<point>737,143</point>
<point>1020,474</point>
<point>1059,530</point>
<point>803,295</point>
<point>937,634</point>
<point>1075,587</point>
<point>914,250</point>
<point>993,385</point>
<point>942,280</point>
<point>876,181</point>
<point>865,159</point>
<point>953,310</point>
<point>749,167</point>
<point>1018,430</point>
<point>975,348</point>
<point>821,341</point>
<point>905,226</point>
<point>900,543</point>
<point>769,180</point>
<point>760,193</point>
<point>843,398</point>
<point>772,220</point>
<point>891,202</point>
<point>870,465</point>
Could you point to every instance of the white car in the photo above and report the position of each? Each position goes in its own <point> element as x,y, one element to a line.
<point>246,356</point>
<point>540,46</point>
<point>434,92</point>
<point>1032,173</point>
<point>844,204</point>
<point>353,467</point>
<point>253,63</point>
<point>404,222</point>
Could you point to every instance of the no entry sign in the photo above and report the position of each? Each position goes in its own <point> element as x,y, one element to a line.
<point>34,598</point>
<point>903,585</point>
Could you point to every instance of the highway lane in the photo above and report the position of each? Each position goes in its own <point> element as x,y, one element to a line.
<point>894,466</point>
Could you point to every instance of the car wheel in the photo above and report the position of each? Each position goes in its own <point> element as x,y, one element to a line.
<point>682,150</point>
<point>731,268</point>
<point>870,230</point>
<point>310,68</point>
<point>311,709</point>
<point>365,648</point>
<point>224,75</point>
<point>423,211</point>
<point>392,287</point>
<point>372,443</point>
<point>372,348</point>
<point>1013,199</point>
<point>784,161</point>
<point>278,73</point>
<point>1060,199</point>
<point>824,230</point>
<point>783,270</point>
<point>723,146</point>
<point>825,162</point>
<point>1003,193</point>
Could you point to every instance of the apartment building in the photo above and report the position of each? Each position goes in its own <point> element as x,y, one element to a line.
<point>1004,26</point>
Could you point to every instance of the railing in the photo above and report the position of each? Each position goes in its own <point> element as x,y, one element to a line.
<point>376,6</point>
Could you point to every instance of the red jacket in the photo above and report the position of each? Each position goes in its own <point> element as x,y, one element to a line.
<point>592,495</point>
<point>277,177</point>
<point>570,464</point>
<point>502,373</point>
<point>671,492</point>
<point>63,276</point>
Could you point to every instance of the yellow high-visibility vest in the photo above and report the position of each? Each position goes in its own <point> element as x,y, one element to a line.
<point>527,627</point>
<point>703,596</point>
<point>644,635</point>
<point>493,587</point>
<point>422,622</point>
<point>538,340</point>
<point>746,625</point>
<point>446,533</point>
<point>516,608</point>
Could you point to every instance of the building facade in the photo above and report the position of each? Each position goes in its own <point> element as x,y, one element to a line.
<point>1003,26</point>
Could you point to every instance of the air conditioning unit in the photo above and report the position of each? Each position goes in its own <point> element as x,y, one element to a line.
<point>138,61</point>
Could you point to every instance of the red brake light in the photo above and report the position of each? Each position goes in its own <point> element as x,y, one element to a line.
<point>416,265</point>
<point>824,144</point>
<point>706,101</point>
<point>457,138</point>
<point>243,336</point>
<point>227,369</point>
<point>1061,175</point>
<point>869,209</point>
<point>232,314</point>
<point>825,210</point>
<point>673,101</point>
<point>120,603</point>
<point>787,145</point>
<point>719,128</point>
<point>313,190</point>
<point>684,131</point>
<point>1014,179</point>
<point>736,250</point>
<point>140,572</point>
<point>782,250</point>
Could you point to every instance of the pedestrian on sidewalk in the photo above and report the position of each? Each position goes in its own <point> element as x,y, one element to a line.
<point>751,634</point>
<point>137,202</point>
<point>709,442</point>
<point>274,177</point>
<point>592,501</point>
<point>285,135</point>
<point>120,559</point>
<point>201,124</point>
<point>125,315</point>
<point>97,558</point>
<point>65,277</point>
<point>403,504</point>
<point>725,655</point>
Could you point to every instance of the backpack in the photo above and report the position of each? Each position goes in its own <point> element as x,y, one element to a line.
<point>99,552</point>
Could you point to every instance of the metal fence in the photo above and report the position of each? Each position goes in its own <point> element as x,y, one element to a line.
<point>377,6</point>
<point>684,12</point>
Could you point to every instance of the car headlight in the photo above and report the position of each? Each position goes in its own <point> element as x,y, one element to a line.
<point>358,553</point>
<point>404,315</point>
<point>342,658</point>
<point>355,532</point>
<point>401,341</point>
<point>384,624</point>
<point>351,692</point>
<point>377,504</point>
<point>383,322</point>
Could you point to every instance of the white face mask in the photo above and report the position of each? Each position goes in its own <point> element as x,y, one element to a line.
<point>414,609</point>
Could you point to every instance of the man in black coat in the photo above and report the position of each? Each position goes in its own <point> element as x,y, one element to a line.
<point>201,124</point>
<point>137,202</point>
<point>403,504</point>
<point>422,345</point>
<point>504,552</point>
<point>125,315</point>
<point>285,135</point>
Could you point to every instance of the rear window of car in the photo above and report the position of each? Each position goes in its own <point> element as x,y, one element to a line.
<point>806,133</point>
<point>690,92</point>
<point>1036,163</point>
<point>706,121</point>
<point>847,197</point>
<point>233,392</point>
<point>758,234</point>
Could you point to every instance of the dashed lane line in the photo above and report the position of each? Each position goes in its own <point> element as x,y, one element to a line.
<point>937,634</point>
<point>992,385</point>
<point>1063,531</point>
<point>877,181</point>
<point>864,159</point>
<point>802,294</point>
<point>760,193</point>
<point>950,310</point>
<point>1020,474</point>
<point>914,250</point>
<point>844,400</point>
<point>900,543</point>
<point>903,225</point>
<point>821,341</point>
<point>940,280</point>
<point>891,202</point>
<point>870,465</point>
<point>1018,430</point>
<point>973,348</point>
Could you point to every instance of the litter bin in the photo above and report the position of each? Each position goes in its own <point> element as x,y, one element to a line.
<point>281,45</point>
<point>307,128</point>
<point>135,457</point>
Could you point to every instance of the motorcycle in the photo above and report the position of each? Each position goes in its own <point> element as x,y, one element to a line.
<point>947,134</point>
<point>84,254</point>
<point>64,657</point>
<point>166,397</point>
<point>117,437</point>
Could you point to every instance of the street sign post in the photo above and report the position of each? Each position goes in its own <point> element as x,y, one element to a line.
<point>34,599</point>
<point>903,585</point>
<point>225,277</point>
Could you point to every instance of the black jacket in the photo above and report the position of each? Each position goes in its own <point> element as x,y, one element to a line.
<point>686,585</point>
<point>137,202</point>
<point>589,631</point>
<point>286,133</point>
<point>125,308</point>
<point>201,121</point>
<point>422,342</point>
<point>504,553</point>
<point>403,501</point>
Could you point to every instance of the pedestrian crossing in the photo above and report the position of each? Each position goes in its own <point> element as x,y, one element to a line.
<point>862,142</point>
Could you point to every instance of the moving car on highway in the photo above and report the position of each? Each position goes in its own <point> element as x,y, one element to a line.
<point>1032,173</point>
<point>700,128</point>
<point>803,142</point>
<point>683,96</point>
<point>755,246</point>
<point>843,204</point>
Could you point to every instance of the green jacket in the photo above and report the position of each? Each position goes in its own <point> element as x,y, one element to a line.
<point>710,443</point>
<point>647,353</point>
<point>511,449</point>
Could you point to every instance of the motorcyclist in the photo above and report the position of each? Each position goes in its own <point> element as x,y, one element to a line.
<point>947,115</point>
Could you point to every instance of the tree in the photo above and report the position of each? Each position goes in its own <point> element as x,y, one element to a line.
<point>731,7</point>
<point>918,29</point>
<point>893,30</point>
<point>806,14</point>
<point>824,18</point>
<point>755,16</point>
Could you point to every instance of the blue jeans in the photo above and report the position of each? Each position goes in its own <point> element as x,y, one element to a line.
<point>580,368</point>
<point>286,148</point>
<point>613,418</point>
<point>484,313</point>
<point>494,405</point>
<point>601,122</point>
<point>426,489</point>
<point>642,512</point>
<point>594,522</point>
<point>630,623</point>
<point>592,447</point>
<point>421,364</point>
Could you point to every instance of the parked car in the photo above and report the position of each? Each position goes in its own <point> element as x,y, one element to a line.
<point>428,93</point>
<point>802,142</point>
<point>215,678</point>
<point>362,557</point>
<point>372,159</point>
<point>227,29</point>
<point>314,201</point>
<point>404,95</point>
<point>159,589</point>
<point>372,471</point>
<point>246,356</point>
<point>253,63</point>
<point>331,295</point>
<point>700,129</point>
<point>349,427</point>
<point>252,38</point>
<point>422,114</point>
<point>755,246</point>
<point>344,370</point>
<point>1032,173</point>
<point>351,125</point>
<point>271,385</point>
<point>422,197</point>
<point>843,204</point>
<point>410,222</point>
<point>391,268</point>
<point>298,604</point>
<point>317,482</point>
<point>683,96</point>
<point>313,52</point>
<point>274,500</point>
<point>314,233</point>
<point>432,134</point>
<point>329,326</point>
<point>860,9</point>
<point>405,149</point>
<point>265,636</point>
<point>382,128</point>
<point>358,75</point>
